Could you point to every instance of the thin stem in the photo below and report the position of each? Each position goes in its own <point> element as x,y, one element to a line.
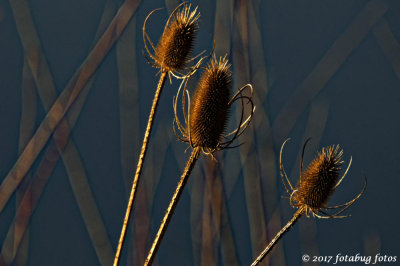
<point>278,236</point>
<point>174,201</point>
<point>139,166</point>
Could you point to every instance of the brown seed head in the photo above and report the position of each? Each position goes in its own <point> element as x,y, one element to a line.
<point>176,43</point>
<point>319,179</point>
<point>210,105</point>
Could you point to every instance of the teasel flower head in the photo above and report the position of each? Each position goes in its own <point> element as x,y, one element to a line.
<point>315,186</point>
<point>207,116</point>
<point>318,182</point>
<point>173,51</point>
<point>319,179</point>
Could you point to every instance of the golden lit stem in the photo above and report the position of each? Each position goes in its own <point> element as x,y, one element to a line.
<point>174,201</point>
<point>278,236</point>
<point>139,165</point>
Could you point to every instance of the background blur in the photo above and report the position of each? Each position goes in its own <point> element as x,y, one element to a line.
<point>328,70</point>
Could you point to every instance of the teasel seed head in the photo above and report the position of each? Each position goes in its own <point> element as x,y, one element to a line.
<point>206,117</point>
<point>210,105</point>
<point>318,181</point>
<point>175,46</point>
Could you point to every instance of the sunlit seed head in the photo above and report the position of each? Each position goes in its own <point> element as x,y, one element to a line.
<point>210,105</point>
<point>176,43</point>
<point>319,179</point>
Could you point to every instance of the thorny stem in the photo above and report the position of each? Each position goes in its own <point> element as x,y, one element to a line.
<point>174,201</point>
<point>139,165</point>
<point>278,236</point>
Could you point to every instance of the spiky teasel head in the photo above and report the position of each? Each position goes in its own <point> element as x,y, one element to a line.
<point>172,53</point>
<point>318,182</point>
<point>319,179</point>
<point>207,117</point>
<point>210,105</point>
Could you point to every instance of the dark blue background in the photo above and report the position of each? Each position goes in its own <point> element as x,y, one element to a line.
<point>301,45</point>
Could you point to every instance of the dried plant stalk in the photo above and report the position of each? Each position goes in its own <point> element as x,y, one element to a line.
<point>171,55</point>
<point>172,205</point>
<point>316,184</point>
<point>204,127</point>
<point>278,236</point>
<point>139,167</point>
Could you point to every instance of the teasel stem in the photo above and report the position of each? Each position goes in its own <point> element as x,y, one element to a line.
<point>278,236</point>
<point>172,205</point>
<point>142,156</point>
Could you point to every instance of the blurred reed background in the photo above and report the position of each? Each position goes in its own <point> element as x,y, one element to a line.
<point>328,70</point>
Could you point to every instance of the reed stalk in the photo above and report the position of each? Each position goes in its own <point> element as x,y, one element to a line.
<point>60,107</point>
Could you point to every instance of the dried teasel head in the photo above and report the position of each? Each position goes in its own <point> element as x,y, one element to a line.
<point>210,105</point>
<point>319,179</point>
<point>318,182</point>
<point>172,53</point>
<point>207,117</point>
